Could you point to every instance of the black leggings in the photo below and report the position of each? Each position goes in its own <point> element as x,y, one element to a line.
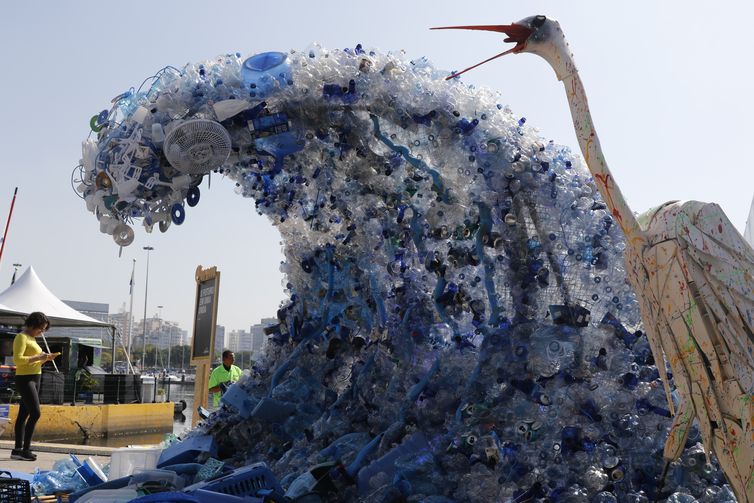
<point>29,410</point>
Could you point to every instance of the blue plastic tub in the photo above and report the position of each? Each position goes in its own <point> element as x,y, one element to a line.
<point>186,451</point>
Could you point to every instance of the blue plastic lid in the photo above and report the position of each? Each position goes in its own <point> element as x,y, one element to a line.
<point>265,61</point>
<point>178,214</point>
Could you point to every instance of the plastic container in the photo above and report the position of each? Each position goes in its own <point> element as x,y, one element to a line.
<point>261,73</point>
<point>186,451</point>
<point>90,471</point>
<point>204,496</point>
<point>272,411</point>
<point>163,477</point>
<point>417,442</point>
<point>239,399</point>
<point>200,496</point>
<point>109,495</point>
<point>147,389</point>
<point>125,461</point>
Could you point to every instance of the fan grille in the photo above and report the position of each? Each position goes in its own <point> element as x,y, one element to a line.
<point>197,146</point>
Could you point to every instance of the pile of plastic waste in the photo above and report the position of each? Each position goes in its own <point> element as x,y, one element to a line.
<point>457,324</point>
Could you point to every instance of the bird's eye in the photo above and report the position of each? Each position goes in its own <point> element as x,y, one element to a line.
<point>538,21</point>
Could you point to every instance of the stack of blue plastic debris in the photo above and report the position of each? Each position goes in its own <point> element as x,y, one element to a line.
<point>457,327</point>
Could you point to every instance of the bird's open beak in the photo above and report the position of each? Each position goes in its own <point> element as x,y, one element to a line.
<point>516,33</point>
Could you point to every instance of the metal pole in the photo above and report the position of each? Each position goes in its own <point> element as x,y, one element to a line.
<point>112,368</point>
<point>146,292</point>
<point>7,224</point>
<point>131,310</point>
<point>162,329</point>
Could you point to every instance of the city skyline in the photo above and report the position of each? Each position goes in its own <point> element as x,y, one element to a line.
<point>156,327</point>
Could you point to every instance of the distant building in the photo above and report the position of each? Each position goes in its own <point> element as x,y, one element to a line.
<point>95,310</point>
<point>258,337</point>
<point>169,334</point>
<point>239,340</point>
<point>123,323</point>
<point>153,332</point>
<point>219,342</point>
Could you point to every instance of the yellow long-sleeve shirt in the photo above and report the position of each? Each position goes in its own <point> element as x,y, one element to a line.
<point>24,347</point>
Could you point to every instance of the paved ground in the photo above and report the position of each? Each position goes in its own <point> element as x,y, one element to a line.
<point>48,453</point>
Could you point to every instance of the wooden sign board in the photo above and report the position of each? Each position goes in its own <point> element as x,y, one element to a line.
<point>205,315</point>
<point>203,341</point>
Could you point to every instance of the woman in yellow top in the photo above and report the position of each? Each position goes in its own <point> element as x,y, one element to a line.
<point>28,358</point>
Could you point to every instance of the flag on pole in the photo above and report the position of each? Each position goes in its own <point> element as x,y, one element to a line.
<point>13,279</point>
<point>131,284</point>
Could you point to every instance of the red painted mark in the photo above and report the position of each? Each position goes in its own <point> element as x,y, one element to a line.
<point>604,180</point>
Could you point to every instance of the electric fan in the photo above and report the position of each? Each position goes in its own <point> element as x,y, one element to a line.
<point>197,146</point>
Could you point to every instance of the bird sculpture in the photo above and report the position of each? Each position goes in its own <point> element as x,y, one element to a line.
<point>694,276</point>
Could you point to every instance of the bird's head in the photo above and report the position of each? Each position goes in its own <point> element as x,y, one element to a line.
<point>535,34</point>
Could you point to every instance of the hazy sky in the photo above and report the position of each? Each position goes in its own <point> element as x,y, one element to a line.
<point>669,84</point>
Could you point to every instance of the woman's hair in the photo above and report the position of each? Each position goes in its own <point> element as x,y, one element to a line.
<point>37,320</point>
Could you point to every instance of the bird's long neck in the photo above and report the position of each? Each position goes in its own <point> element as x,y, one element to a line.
<point>595,160</point>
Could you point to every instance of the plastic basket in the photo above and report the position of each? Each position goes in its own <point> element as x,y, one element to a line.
<point>246,481</point>
<point>13,490</point>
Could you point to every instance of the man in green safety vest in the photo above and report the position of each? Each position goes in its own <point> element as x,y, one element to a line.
<point>222,376</point>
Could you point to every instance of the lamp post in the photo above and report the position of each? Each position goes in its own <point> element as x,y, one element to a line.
<point>146,292</point>
<point>183,353</point>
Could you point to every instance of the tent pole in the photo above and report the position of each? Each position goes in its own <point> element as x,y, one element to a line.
<point>47,346</point>
<point>128,358</point>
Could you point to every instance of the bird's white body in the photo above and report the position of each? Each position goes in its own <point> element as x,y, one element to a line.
<point>694,276</point>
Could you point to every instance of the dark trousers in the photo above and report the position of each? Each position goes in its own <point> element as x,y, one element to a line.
<point>29,410</point>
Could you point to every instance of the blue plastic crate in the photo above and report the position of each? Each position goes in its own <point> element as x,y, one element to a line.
<point>272,411</point>
<point>240,399</point>
<point>186,451</point>
<point>199,496</point>
<point>245,481</point>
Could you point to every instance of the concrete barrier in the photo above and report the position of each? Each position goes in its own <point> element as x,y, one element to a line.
<point>65,421</point>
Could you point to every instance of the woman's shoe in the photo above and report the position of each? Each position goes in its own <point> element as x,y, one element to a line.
<point>15,454</point>
<point>24,455</point>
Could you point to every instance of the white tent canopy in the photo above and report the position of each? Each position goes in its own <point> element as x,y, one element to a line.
<point>29,294</point>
